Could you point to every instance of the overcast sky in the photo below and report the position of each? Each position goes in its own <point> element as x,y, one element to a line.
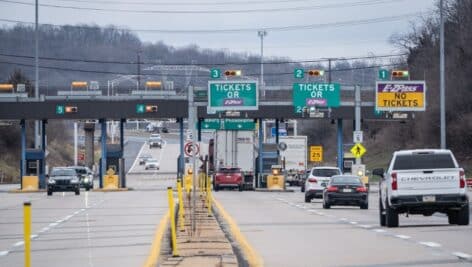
<point>353,38</point>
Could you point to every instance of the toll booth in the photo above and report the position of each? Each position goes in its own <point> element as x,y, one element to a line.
<point>115,162</point>
<point>348,160</point>
<point>34,166</point>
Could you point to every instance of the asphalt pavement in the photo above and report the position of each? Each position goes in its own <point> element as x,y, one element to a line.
<point>286,231</point>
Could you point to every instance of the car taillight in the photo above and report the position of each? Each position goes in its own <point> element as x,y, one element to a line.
<point>312,180</point>
<point>332,189</point>
<point>361,189</point>
<point>462,179</point>
<point>394,181</point>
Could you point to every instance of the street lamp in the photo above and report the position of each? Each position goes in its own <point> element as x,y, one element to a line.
<point>262,34</point>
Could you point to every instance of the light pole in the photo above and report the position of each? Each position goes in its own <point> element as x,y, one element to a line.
<point>262,34</point>
<point>36,73</point>
<point>442,90</point>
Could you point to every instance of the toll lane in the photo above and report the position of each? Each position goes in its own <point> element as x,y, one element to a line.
<point>288,232</point>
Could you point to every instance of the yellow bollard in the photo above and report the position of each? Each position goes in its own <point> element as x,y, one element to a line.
<point>170,196</point>
<point>27,232</point>
<point>181,206</point>
<point>208,186</point>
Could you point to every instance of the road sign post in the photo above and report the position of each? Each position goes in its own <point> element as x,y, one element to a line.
<point>316,95</point>
<point>233,95</point>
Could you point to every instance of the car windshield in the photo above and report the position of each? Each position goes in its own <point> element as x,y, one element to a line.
<point>424,161</point>
<point>63,172</point>
<point>342,180</point>
<point>229,170</point>
<point>145,156</point>
<point>152,161</point>
<point>81,171</point>
<point>325,172</point>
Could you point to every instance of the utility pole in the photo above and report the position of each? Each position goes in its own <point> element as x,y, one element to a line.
<point>329,69</point>
<point>357,102</point>
<point>262,34</point>
<point>36,73</point>
<point>442,92</point>
<point>139,68</point>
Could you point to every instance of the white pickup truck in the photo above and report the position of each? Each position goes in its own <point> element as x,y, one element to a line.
<point>423,182</point>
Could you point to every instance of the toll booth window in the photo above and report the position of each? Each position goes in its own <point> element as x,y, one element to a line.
<point>325,172</point>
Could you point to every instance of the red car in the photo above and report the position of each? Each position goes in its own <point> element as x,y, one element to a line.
<point>228,177</point>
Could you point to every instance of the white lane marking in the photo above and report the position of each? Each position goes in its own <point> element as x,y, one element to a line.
<point>462,255</point>
<point>45,229</point>
<point>353,223</point>
<point>321,213</point>
<point>33,236</point>
<point>77,212</point>
<point>312,210</point>
<point>68,217</point>
<point>4,253</point>
<point>53,224</point>
<point>343,219</point>
<point>137,158</point>
<point>430,244</point>
<point>366,226</point>
<point>279,199</point>
<point>82,210</point>
<point>379,230</point>
<point>19,243</point>
<point>60,221</point>
<point>298,206</point>
<point>403,236</point>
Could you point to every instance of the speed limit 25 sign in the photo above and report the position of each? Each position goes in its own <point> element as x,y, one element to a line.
<point>316,153</point>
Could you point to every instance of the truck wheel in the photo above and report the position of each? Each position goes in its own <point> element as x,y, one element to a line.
<point>382,216</point>
<point>307,199</point>
<point>452,217</point>
<point>241,187</point>
<point>77,192</point>
<point>391,216</point>
<point>302,189</point>
<point>49,192</point>
<point>463,216</point>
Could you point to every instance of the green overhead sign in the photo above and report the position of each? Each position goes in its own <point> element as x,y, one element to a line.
<point>228,124</point>
<point>232,95</point>
<point>60,109</point>
<point>140,108</point>
<point>316,95</point>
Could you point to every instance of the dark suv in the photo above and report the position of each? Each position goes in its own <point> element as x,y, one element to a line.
<point>63,180</point>
<point>85,176</point>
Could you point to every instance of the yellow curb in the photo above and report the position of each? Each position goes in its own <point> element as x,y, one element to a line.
<point>27,191</point>
<point>110,190</point>
<point>155,251</point>
<point>249,252</point>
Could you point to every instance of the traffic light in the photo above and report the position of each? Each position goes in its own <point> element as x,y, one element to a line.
<point>150,109</point>
<point>233,73</point>
<point>71,109</point>
<point>400,74</point>
<point>316,72</point>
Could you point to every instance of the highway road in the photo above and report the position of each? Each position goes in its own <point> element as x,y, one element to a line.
<point>286,231</point>
<point>93,229</point>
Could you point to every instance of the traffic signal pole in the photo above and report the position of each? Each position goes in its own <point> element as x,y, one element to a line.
<point>357,101</point>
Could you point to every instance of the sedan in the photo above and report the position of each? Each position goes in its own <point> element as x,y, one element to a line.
<point>346,190</point>
<point>151,164</point>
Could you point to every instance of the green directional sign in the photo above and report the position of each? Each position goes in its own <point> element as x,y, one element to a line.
<point>383,74</point>
<point>240,124</point>
<point>140,108</point>
<point>60,109</point>
<point>211,124</point>
<point>298,73</point>
<point>232,95</point>
<point>318,95</point>
<point>215,73</point>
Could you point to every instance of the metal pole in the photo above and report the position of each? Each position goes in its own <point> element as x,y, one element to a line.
<point>23,151</point>
<point>443,79</point>
<point>139,69</point>
<point>358,113</point>
<point>104,151</point>
<point>36,72</point>
<point>340,144</point>
<point>277,135</point>
<point>191,125</point>
<point>262,34</point>
<point>181,158</point>
<point>329,70</point>
<point>75,143</point>
<point>261,140</point>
